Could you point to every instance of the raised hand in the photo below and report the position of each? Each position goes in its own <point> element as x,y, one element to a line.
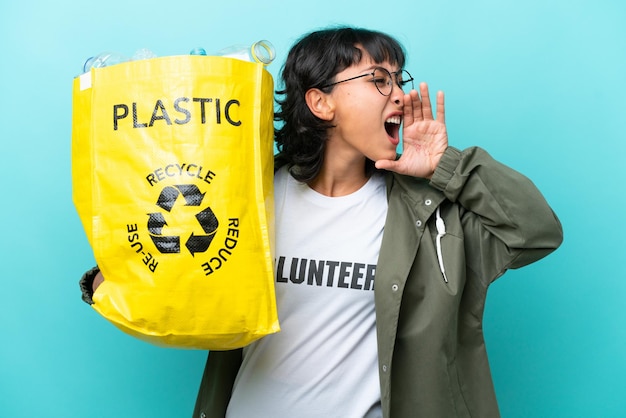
<point>424,137</point>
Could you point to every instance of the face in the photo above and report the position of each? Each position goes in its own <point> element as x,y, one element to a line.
<point>367,124</point>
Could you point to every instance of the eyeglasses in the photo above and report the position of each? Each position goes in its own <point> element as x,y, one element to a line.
<point>382,79</point>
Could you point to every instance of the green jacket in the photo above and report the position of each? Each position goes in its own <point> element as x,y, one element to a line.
<point>430,298</point>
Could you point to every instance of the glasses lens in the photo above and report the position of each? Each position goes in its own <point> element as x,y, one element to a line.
<point>382,80</point>
<point>405,81</point>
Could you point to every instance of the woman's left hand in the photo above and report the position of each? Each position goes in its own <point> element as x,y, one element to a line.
<point>424,137</point>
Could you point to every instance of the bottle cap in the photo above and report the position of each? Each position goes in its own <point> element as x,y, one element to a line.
<point>263,51</point>
<point>197,51</point>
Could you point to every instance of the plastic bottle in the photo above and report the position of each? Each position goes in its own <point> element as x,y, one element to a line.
<point>261,51</point>
<point>106,59</point>
<point>143,54</point>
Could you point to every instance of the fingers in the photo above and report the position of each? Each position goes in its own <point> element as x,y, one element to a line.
<point>441,113</point>
<point>417,107</point>
<point>412,108</point>
<point>427,111</point>
<point>385,164</point>
<point>97,281</point>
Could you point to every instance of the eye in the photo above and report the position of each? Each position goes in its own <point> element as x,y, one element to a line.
<point>381,81</point>
<point>381,78</point>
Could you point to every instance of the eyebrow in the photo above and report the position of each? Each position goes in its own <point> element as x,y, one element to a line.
<point>373,67</point>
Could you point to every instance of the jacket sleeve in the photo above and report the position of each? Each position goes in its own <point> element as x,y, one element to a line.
<point>508,222</point>
<point>217,383</point>
<point>86,284</point>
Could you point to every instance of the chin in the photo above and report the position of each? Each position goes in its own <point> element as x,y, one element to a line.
<point>387,155</point>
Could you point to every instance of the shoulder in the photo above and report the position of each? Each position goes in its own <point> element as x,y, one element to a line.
<point>281,176</point>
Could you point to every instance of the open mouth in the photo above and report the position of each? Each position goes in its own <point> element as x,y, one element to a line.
<point>392,126</point>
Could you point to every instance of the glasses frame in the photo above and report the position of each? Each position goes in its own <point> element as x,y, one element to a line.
<point>396,73</point>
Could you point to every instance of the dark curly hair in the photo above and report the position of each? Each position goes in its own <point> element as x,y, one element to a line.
<point>314,61</point>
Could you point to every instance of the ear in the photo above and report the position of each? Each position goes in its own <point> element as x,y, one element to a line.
<point>320,104</point>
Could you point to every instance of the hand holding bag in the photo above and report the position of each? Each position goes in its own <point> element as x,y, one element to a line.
<point>172,172</point>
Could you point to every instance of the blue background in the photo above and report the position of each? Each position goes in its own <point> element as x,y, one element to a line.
<point>540,84</point>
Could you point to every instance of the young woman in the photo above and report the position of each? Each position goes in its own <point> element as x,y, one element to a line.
<point>436,225</point>
<point>382,261</point>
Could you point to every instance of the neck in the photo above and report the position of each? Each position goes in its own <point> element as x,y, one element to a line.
<point>340,178</point>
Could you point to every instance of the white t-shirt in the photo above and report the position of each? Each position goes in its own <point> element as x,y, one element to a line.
<point>324,361</point>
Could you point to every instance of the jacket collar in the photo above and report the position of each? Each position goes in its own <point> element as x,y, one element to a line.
<point>420,197</point>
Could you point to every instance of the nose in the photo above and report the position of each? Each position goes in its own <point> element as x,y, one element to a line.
<point>397,94</point>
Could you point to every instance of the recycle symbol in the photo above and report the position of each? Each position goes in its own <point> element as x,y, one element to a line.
<point>206,218</point>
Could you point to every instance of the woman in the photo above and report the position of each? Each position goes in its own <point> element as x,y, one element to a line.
<point>382,262</point>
